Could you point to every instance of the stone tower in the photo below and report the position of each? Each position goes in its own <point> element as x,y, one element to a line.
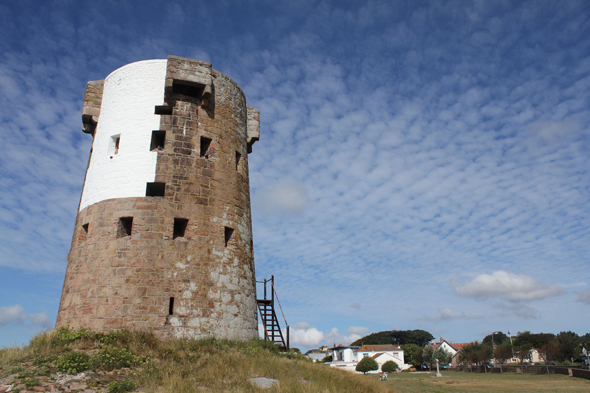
<point>163,236</point>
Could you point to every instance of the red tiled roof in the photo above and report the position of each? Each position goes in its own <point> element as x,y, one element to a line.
<point>376,348</point>
<point>375,356</point>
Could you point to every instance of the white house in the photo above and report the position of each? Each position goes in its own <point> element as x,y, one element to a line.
<point>348,357</point>
<point>453,348</point>
<point>318,354</point>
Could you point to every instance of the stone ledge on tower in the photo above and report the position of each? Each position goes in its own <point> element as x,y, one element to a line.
<point>253,132</point>
<point>92,104</point>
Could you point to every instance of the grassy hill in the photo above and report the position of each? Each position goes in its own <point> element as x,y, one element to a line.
<point>88,361</point>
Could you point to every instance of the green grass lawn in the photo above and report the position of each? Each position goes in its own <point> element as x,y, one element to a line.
<point>455,381</point>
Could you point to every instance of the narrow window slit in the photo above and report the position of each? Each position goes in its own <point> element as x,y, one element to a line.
<point>163,110</point>
<point>84,232</point>
<point>158,140</point>
<point>180,225</point>
<point>114,145</point>
<point>228,235</point>
<point>171,306</point>
<point>238,156</point>
<point>125,226</point>
<point>155,189</point>
<point>205,144</point>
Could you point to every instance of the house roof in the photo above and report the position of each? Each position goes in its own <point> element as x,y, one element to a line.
<point>456,346</point>
<point>375,356</point>
<point>378,348</point>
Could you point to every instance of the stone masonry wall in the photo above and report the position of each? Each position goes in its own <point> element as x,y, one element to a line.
<point>116,280</point>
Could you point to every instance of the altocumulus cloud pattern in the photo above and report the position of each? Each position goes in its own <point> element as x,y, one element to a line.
<point>424,165</point>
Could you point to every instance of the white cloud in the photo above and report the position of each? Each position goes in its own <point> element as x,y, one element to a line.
<point>309,336</point>
<point>512,286</point>
<point>583,297</point>
<point>289,196</point>
<point>16,314</point>
<point>357,330</point>
<point>446,314</point>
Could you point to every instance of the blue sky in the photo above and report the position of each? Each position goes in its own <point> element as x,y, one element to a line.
<point>422,165</point>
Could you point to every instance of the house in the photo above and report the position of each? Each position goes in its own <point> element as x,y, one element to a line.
<point>347,357</point>
<point>453,348</point>
<point>318,354</point>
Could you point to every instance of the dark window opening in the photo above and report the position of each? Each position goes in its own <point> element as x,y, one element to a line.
<point>228,235</point>
<point>238,156</point>
<point>163,110</point>
<point>171,306</point>
<point>205,144</point>
<point>180,225</point>
<point>85,228</point>
<point>125,226</point>
<point>158,139</point>
<point>117,140</point>
<point>187,89</point>
<point>155,189</point>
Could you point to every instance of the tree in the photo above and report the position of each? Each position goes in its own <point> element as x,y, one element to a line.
<point>417,336</point>
<point>428,355</point>
<point>523,351</point>
<point>549,352</point>
<point>469,353</point>
<point>569,345</point>
<point>326,359</point>
<point>413,354</point>
<point>503,352</point>
<point>367,364</point>
<point>498,338</point>
<point>389,366</point>
<point>484,354</point>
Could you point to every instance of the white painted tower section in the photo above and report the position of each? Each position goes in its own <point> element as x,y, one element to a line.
<point>129,98</point>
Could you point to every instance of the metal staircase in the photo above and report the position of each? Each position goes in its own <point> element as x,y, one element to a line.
<point>270,322</point>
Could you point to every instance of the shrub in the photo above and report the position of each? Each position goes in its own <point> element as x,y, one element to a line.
<point>120,387</point>
<point>367,364</point>
<point>73,362</point>
<point>389,366</point>
<point>326,359</point>
<point>63,336</point>
<point>112,358</point>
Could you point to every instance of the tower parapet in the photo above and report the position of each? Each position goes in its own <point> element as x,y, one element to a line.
<point>163,236</point>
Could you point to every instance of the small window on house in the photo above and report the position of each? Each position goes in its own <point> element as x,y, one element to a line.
<point>228,235</point>
<point>158,139</point>
<point>180,225</point>
<point>155,189</point>
<point>163,110</point>
<point>205,145</point>
<point>114,145</point>
<point>171,306</point>
<point>125,226</point>
<point>238,156</point>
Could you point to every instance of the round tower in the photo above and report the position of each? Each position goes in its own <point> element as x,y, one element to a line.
<point>163,236</point>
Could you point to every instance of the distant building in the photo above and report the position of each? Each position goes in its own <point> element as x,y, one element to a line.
<point>318,354</point>
<point>347,357</point>
<point>453,348</point>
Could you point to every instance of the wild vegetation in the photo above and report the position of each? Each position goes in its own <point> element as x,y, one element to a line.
<point>125,360</point>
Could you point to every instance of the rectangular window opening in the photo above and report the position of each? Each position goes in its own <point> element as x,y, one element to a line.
<point>155,189</point>
<point>158,139</point>
<point>125,226</point>
<point>85,228</point>
<point>238,156</point>
<point>180,225</point>
<point>171,306</point>
<point>228,235</point>
<point>187,89</point>
<point>163,110</point>
<point>114,145</point>
<point>205,144</point>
